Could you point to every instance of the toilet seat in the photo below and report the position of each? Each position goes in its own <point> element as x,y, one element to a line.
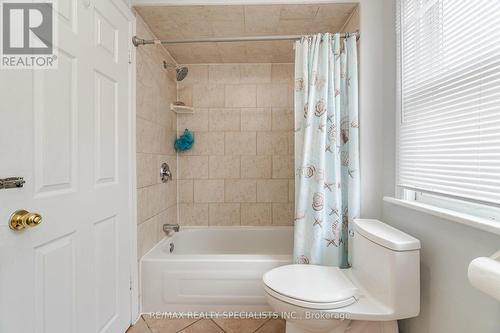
<point>310,286</point>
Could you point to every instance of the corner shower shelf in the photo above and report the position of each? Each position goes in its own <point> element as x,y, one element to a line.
<point>181,108</point>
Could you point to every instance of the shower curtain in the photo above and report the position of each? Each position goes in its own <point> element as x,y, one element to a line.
<point>327,195</point>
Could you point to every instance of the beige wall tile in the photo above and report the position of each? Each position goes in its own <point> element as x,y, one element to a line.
<point>282,73</point>
<point>185,94</point>
<point>228,28</point>
<point>283,166</point>
<point>239,190</point>
<point>255,73</point>
<point>208,95</point>
<point>146,170</point>
<point>147,101</point>
<point>291,190</point>
<point>275,190</point>
<point>273,143</point>
<point>224,119</point>
<point>144,205</point>
<point>256,166</point>
<point>283,214</point>
<point>197,121</point>
<point>264,95</point>
<point>243,96</point>
<point>193,214</point>
<point>193,167</point>
<point>156,132</point>
<point>208,191</point>
<point>147,136</point>
<point>282,119</point>
<point>261,19</point>
<point>197,74</point>
<point>224,167</point>
<point>224,214</point>
<point>185,189</point>
<point>224,73</point>
<point>281,95</point>
<point>240,143</point>
<point>147,236</point>
<point>256,119</point>
<point>207,143</point>
<point>166,139</point>
<point>296,12</point>
<point>236,142</point>
<point>232,52</point>
<point>256,214</point>
<point>169,199</point>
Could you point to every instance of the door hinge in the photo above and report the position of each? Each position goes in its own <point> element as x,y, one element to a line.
<point>12,182</point>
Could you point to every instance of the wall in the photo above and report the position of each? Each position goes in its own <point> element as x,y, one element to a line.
<point>156,132</point>
<point>240,170</point>
<point>448,302</point>
<point>352,23</point>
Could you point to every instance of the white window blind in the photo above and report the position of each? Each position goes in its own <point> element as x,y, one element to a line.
<point>449,136</point>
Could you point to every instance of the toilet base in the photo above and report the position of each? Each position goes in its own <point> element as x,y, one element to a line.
<point>354,326</point>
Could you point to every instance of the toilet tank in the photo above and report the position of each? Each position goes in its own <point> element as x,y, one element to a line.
<point>386,262</point>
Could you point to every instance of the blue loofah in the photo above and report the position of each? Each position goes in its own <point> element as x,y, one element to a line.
<point>185,141</point>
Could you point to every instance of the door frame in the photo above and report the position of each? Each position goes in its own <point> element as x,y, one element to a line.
<point>132,182</point>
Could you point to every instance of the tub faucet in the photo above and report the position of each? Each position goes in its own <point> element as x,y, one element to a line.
<point>170,229</point>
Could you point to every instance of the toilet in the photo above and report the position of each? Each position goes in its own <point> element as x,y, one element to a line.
<point>381,287</point>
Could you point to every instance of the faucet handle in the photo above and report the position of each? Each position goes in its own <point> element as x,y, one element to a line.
<point>169,229</point>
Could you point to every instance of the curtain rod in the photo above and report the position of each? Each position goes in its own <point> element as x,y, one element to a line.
<point>139,41</point>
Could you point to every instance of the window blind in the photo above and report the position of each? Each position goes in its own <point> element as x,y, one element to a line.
<point>449,136</point>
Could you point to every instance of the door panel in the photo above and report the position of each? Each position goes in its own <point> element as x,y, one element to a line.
<point>69,139</point>
<point>55,285</point>
<point>55,127</point>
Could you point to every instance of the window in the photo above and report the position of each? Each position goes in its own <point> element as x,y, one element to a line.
<point>449,80</point>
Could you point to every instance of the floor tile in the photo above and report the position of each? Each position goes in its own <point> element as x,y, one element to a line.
<point>168,325</point>
<point>203,326</point>
<point>239,325</point>
<point>139,327</point>
<point>273,326</point>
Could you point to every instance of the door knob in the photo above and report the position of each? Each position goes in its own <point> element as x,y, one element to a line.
<point>22,219</point>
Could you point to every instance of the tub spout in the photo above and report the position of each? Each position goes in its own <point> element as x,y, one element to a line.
<point>170,229</point>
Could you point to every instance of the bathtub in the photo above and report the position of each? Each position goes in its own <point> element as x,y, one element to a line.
<point>213,269</point>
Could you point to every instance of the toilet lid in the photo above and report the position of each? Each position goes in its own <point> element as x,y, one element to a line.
<point>310,283</point>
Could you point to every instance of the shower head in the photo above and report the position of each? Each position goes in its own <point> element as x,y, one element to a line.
<point>180,71</point>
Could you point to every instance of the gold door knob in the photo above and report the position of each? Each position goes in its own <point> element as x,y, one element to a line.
<point>22,219</point>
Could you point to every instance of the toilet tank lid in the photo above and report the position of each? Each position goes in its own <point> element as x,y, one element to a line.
<point>385,235</point>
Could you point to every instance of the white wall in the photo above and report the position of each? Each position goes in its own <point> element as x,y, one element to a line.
<point>448,303</point>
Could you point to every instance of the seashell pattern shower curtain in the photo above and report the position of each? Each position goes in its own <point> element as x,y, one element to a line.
<point>327,194</point>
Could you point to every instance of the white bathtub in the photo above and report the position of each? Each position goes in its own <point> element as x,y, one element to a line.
<point>213,269</point>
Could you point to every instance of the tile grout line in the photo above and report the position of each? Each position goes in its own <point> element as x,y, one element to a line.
<point>258,328</point>
<point>213,321</point>
<point>145,322</point>
<point>182,329</point>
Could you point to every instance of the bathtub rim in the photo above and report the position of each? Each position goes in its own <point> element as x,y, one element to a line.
<point>156,254</point>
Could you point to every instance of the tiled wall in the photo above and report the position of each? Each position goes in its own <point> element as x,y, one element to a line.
<point>240,170</point>
<point>156,132</point>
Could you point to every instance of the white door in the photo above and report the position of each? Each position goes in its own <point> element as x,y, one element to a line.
<point>67,132</point>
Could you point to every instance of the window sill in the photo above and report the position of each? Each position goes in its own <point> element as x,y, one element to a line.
<point>469,220</point>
